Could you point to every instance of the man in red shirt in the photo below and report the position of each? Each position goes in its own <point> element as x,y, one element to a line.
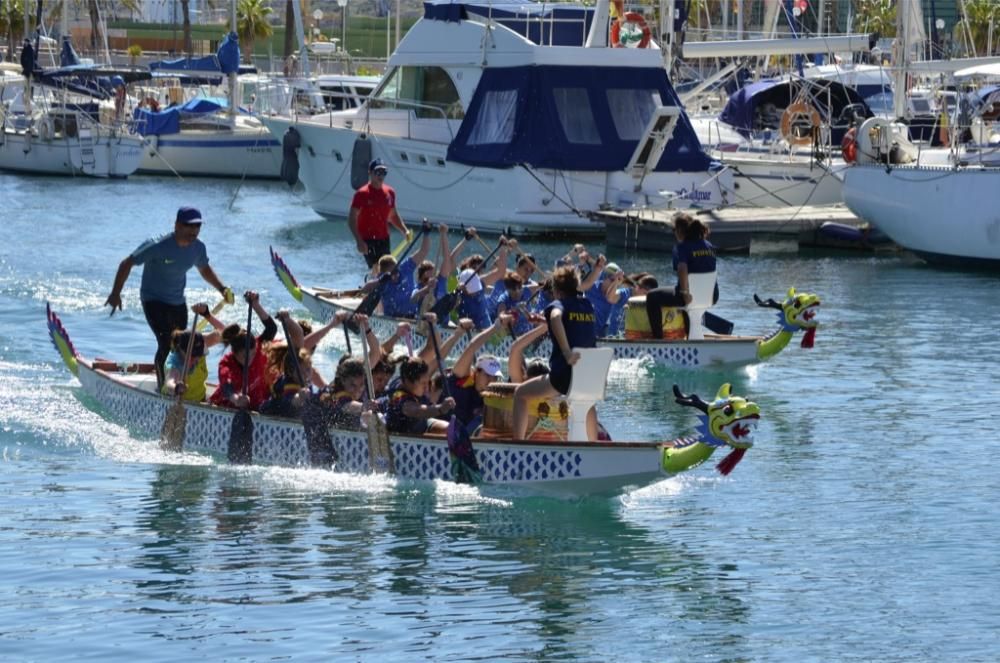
<point>372,210</point>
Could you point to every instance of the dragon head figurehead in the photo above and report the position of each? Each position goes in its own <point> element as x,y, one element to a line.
<point>797,311</point>
<point>728,421</point>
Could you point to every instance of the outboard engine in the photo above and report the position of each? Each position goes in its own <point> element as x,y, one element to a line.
<point>290,144</point>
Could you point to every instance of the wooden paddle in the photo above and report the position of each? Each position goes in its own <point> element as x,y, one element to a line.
<point>240,448</point>
<point>379,447</point>
<point>464,466</point>
<point>322,453</point>
<point>204,324</point>
<point>443,307</point>
<point>172,433</point>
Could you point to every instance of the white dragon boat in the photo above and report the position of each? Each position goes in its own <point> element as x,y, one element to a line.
<point>547,465</point>
<point>796,312</point>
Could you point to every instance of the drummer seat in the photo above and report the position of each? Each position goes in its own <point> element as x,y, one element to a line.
<point>588,385</point>
<point>702,287</point>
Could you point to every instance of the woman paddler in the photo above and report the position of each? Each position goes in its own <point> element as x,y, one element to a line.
<point>570,321</point>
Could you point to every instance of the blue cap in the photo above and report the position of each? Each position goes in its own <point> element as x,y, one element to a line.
<point>117,80</point>
<point>188,215</point>
<point>376,163</point>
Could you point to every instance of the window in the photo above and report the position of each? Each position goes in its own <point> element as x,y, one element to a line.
<point>427,91</point>
<point>496,118</point>
<point>631,110</point>
<point>573,106</point>
<point>335,97</point>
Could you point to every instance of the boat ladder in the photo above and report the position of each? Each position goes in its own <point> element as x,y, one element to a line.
<point>88,161</point>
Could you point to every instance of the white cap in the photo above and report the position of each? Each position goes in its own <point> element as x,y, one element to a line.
<point>490,365</point>
<point>470,280</point>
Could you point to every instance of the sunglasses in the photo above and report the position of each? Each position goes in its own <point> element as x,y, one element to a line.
<point>381,172</point>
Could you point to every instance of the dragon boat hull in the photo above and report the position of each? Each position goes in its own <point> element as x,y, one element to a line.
<point>711,352</point>
<point>540,467</point>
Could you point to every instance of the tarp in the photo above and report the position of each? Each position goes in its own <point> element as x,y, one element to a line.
<point>225,61</point>
<point>67,56</point>
<point>565,117</point>
<point>569,27</point>
<point>740,110</point>
<point>168,121</point>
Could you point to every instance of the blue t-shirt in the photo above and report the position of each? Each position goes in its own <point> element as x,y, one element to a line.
<point>474,308</point>
<point>602,307</point>
<point>396,295</point>
<point>699,255</point>
<point>165,268</point>
<point>578,320</point>
<point>493,299</point>
<point>616,321</point>
<point>542,301</point>
<point>521,323</point>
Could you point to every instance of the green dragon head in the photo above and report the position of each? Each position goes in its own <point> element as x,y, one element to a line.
<point>798,311</point>
<point>728,421</point>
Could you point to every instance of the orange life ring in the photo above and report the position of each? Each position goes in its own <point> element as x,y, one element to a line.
<point>630,17</point>
<point>849,145</point>
<point>789,117</point>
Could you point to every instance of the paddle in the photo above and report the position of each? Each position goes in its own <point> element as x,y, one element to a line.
<point>322,453</point>
<point>374,296</point>
<point>399,247</point>
<point>379,447</point>
<point>172,433</point>
<point>464,466</point>
<point>443,307</point>
<point>240,449</point>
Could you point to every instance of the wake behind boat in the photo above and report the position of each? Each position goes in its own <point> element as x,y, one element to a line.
<point>551,462</point>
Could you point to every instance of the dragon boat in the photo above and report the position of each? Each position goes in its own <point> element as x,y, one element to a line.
<point>550,461</point>
<point>796,312</point>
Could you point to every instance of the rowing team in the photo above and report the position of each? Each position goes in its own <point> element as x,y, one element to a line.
<point>280,377</point>
<point>414,284</point>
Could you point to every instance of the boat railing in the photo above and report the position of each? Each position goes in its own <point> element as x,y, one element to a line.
<point>409,105</point>
<point>522,25</point>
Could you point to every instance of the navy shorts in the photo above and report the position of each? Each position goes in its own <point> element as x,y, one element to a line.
<point>376,249</point>
<point>560,380</point>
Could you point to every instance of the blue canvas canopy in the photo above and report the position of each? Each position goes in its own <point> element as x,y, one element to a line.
<point>225,61</point>
<point>571,118</point>
<point>168,121</point>
<point>741,110</point>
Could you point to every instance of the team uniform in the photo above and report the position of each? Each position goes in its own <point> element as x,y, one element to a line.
<point>374,206</point>
<point>396,300</point>
<point>578,320</point>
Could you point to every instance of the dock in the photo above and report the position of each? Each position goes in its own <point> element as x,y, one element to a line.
<point>734,229</point>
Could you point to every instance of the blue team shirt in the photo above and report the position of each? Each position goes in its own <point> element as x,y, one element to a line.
<point>474,308</point>
<point>493,299</point>
<point>616,321</point>
<point>578,320</point>
<point>165,267</point>
<point>521,324</point>
<point>396,296</point>
<point>602,307</point>
<point>699,255</point>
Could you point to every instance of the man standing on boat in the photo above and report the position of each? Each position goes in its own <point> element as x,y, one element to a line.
<point>166,261</point>
<point>372,210</point>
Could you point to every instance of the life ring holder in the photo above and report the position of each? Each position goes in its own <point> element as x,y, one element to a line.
<point>849,145</point>
<point>791,114</point>
<point>630,17</point>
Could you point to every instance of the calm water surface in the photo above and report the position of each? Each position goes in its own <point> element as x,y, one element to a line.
<point>863,525</point>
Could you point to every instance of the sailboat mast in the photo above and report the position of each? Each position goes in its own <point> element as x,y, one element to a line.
<point>233,101</point>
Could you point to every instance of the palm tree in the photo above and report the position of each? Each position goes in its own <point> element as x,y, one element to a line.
<point>251,23</point>
<point>980,17</point>
<point>12,21</point>
<point>876,16</point>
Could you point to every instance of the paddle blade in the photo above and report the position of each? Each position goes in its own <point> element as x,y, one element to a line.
<point>172,434</point>
<point>322,453</point>
<point>464,465</point>
<point>240,449</point>
<point>380,457</point>
<point>285,275</point>
<point>716,324</point>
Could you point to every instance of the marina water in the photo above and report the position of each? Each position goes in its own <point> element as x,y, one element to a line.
<point>863,525</point>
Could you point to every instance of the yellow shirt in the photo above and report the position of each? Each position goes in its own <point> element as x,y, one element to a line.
<point>196,377</point>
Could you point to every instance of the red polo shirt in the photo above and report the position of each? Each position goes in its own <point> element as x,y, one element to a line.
<point>373,207</point>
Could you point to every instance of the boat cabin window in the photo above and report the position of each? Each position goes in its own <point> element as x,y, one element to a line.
<point>337,97</point>
<point>496,118</point>
<point>428,91</point>
<point>576,116</point>
<point>631,110</point>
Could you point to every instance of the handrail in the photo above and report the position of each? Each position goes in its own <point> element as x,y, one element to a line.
<point>393,103</point>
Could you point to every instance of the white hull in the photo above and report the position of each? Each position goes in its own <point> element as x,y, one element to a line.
<point>108,156</point>
<point>563,468</point>
<point>490,199</point>
<point>945,215</point>
<point>244,152</point>
<point>761,179</point>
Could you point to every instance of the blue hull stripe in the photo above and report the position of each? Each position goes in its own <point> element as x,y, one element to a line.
<point>218,143</point>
